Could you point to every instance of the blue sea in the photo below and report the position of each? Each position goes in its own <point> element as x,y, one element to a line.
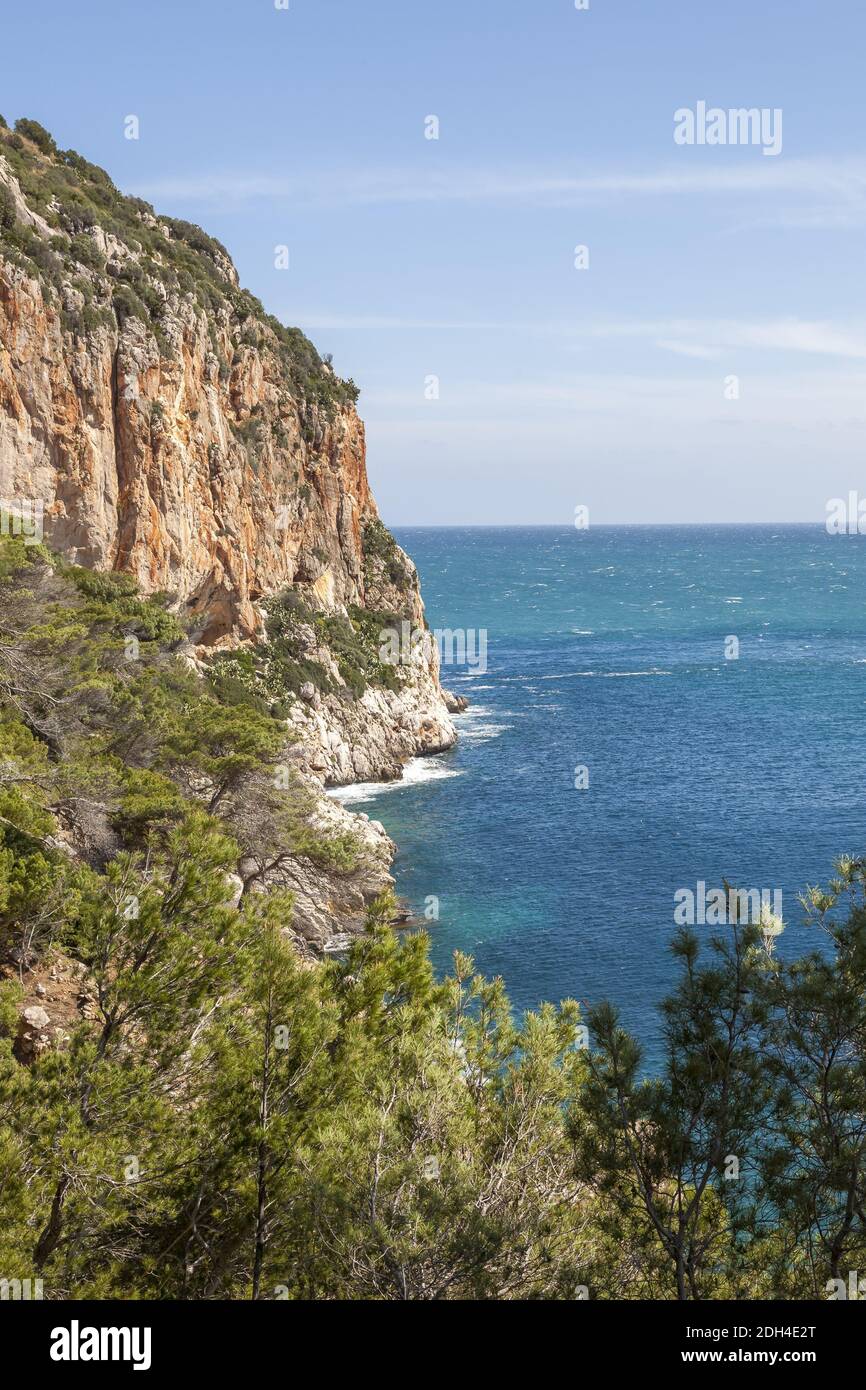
<point>606,650</point>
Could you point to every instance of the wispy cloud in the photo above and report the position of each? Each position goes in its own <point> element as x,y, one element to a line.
<point>688,349</point>
<point>708,337</point>
<point>787,401</point>
<point>793,336</point>
<point>834,192</point>
<point>702,339</point>
<point>314,318</point>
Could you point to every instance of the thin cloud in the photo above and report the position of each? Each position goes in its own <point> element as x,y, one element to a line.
<point>793,336</point>
<point>704,338</point>
<point>701,339</point>
<point>623,403</point>
<point>316,319</point>
<point>835,192</point>
<point>688,349</point>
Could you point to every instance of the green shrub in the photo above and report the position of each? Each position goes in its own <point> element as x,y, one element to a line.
<point>85,251</point>
<point>148,798</point>
<point>113,599</point>
<point>32,130</point>
<point>127,305</point>
<point>380,545</point>
<point>7,208</point>
<point>107,587</point>
<point>338,854</point>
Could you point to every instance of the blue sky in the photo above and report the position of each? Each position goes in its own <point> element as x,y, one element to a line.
<point>412,258</point>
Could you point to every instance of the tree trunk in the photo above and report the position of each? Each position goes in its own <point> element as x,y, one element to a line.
<point>51,1233</point>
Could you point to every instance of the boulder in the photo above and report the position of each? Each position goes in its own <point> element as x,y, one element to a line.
<point>34,1033</point>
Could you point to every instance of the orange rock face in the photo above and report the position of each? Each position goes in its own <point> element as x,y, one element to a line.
<point>189,462</point>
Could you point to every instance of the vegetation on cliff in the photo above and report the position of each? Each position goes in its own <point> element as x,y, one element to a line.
<point>109,740</point>
<point>220,1118</point>
<point>383,558</point>
<point>272,674</point>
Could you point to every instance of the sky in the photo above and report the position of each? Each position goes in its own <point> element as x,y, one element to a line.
<point>703,359</point>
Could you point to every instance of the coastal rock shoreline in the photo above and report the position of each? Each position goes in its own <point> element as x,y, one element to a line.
<point>343,743</point>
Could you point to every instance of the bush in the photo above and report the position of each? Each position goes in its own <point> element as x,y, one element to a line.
<point>148,798</point>
<point>32,130</point>
<point>127,305</point>
<point>379,544</point>
<point>195,237</point>
<point>7,208</point>
<point>340,854</point>
<point>103,586</point>
<point>85,251</point>
<point>113,599</point>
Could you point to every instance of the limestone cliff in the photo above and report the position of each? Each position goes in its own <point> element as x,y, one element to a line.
<point>166,426</point>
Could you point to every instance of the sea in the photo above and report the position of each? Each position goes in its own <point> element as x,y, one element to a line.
<point>653,708</point>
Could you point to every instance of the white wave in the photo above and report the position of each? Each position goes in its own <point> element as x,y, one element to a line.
<point>473,727</point>
<point>478,733</point>
<point>653,672</point>
<point>416,770</point>
<point>603,675</point>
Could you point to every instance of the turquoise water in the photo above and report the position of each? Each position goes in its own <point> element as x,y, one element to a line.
<point>606,648</point>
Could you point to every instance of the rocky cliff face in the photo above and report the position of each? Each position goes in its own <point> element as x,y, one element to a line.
<point>163,427</point>
<point>167,427</point>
